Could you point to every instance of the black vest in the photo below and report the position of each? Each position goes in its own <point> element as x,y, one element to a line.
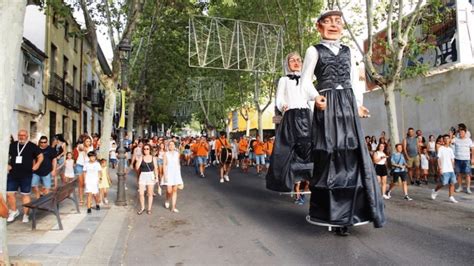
<point>333,70</point>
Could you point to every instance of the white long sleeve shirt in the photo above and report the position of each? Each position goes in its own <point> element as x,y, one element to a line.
<point>310,61</point>
<point>292,95</point>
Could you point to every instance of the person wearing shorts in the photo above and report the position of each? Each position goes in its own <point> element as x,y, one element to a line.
<point>446,169</point>
<point>463,147</point>
<point>148,178</point>
<point>258,147</point>
<point>202,150</point>
<point>410,150</point>
<point>399,171</point>
<point>24,158</point>
<point>47,169</point>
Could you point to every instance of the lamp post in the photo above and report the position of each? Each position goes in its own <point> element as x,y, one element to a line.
<point>124,49</point>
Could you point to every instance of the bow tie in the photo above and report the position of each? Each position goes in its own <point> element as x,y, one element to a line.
<point>335,44</point>
<point>292,77</point>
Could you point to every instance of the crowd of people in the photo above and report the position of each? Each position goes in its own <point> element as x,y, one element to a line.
<point>445,160</point>
<point>156,161</point>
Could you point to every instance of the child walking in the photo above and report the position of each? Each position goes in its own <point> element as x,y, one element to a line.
<point>104,182</point>
<point>425,164</point>
<point>92,171</point>
<point>69,167</point>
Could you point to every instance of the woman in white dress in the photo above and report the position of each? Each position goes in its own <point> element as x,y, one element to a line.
<point>172,176</point>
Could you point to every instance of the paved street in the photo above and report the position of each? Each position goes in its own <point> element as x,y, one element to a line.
<point>243,223</point>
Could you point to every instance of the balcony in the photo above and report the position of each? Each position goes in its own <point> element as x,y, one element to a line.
<point>87,91</point>
<point>77,101</point>
<point>96,96</point>
<point>69,95</point>
<point>56,90</point>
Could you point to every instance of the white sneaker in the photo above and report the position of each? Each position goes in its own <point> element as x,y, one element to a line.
<point>13,215</point>
<point>453,200</point>
<point>468,191</point>
<point>106,201</point>
<point>237,166</point>
<point>222,180</point>
<point>385,196</point>
<point>434,194</point>
<point>459,189</point>
<point>226,178</point>
<point>26,218</point>
<point>167,204</point>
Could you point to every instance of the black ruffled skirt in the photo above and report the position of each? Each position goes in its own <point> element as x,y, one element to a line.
<point>291,157</point>
<point>344,187</point>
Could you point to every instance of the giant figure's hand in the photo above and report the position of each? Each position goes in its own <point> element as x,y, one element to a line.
<point>363,112</point>
<point>320,102</point>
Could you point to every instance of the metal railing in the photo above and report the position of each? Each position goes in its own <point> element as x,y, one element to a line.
<point>56,90</point>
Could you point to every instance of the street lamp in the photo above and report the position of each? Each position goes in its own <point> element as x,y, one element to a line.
<point>124,51</point>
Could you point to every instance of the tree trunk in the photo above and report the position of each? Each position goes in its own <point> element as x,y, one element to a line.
<point>109,104</point>
<point>131,114</point>
<point>391,108</point>
<point>12,14</point>
<point>260,124</point>
<point>140,129</point>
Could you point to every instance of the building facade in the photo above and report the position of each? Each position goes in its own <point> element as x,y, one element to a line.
<point>29,105</point>
<point>70,106</point>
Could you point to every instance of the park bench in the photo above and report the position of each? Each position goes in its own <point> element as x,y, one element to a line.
<point>50,202</point>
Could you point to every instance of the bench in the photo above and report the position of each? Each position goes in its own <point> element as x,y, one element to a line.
<point>50,202</point>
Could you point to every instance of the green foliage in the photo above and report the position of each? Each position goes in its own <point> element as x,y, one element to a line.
<point>160,73</point>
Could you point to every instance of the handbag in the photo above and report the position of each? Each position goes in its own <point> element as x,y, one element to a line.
<point>392,171</point>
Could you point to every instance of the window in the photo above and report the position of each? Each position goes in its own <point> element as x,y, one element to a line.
<point>65,67</point>
<point>66,31</point>
<point>74,76</point>
<point>99,130</point>
<point>33,129</point>
<point>74,132</point>
<point>76,43</point>
<point>52,124</point>
<point>53,59</point>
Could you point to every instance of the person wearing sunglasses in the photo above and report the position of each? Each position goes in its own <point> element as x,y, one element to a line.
<point>148,168</point>
<point>47,170</point>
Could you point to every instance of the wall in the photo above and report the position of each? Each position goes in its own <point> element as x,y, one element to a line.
<point>448,99</point>
<point>34,26</point>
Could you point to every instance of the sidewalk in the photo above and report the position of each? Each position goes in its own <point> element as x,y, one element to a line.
<point>94,239</point>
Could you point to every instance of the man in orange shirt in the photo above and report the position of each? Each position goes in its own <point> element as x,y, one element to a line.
<point>258,147</point>
<point>243,148</point>
<point>268,151</point>
<point>202,151</point>
<point>224,155</point>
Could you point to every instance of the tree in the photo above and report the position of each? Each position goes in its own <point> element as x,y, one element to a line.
<point>12,15</point>
<point>399,44</point>
<point>111,17</point>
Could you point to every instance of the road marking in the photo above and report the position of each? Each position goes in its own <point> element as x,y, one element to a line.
<point>263,247</point>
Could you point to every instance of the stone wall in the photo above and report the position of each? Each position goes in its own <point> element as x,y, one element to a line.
<point>447,99</point>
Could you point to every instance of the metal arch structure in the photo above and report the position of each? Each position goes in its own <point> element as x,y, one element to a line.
<point>203,92</point>
<point>228,44</point>
<point>206,89</point>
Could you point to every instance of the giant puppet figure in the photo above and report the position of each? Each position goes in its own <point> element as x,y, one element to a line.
<point>290,161</point>
<point>344,188</point>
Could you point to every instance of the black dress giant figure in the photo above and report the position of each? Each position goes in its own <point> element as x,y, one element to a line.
<point>291,157</point>
<point>344,188</point>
